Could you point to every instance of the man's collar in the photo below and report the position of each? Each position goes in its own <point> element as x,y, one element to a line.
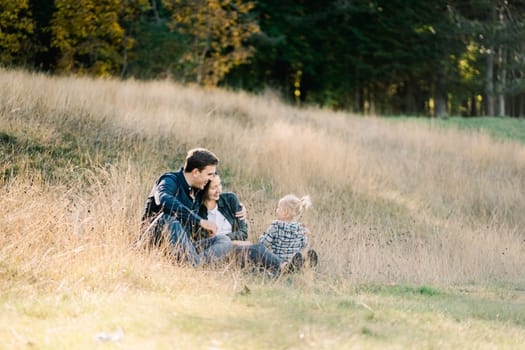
<point>185,183</point>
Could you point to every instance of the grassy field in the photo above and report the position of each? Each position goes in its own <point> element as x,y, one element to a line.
<point>500,128</point>
<point>419,227</point>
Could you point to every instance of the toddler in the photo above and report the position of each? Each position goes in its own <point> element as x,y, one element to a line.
<point>286,236</point>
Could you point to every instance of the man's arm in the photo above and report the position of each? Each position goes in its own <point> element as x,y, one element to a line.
<point>170,196</point>
<point>209,226</point>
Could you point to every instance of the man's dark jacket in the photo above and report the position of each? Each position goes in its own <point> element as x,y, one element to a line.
<point>171,195</point>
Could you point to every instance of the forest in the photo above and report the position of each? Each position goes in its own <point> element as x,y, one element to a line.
<point>381,57</point>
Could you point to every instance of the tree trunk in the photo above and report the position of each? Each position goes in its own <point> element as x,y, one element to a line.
<point>124,59</point>
<point>358,100</point>
<point>155,10</point>
<point>502,76</point>
<point>521,108</point>
<point>489,74</point>
<point>371,100</point>
<point>440,105</point>
<point>473,106</point>
<point>410,99</point>
<point>501,85</point>
<point>440,99</point>
<point>489,85</point>
<point>358,94</point>
<point>502,73</point>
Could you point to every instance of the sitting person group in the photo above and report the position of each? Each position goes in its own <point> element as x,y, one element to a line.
<point>203,224</point>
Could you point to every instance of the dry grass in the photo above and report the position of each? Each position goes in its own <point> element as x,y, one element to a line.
<point>393,202</point>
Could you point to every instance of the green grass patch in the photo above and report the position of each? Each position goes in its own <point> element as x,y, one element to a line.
<point>401,290</point>
<point>460,306</point>
<point>501,128</point>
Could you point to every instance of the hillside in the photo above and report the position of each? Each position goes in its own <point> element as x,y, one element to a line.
<point>395,204</point>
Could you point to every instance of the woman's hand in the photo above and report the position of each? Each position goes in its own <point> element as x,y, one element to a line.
<point>241,214</point>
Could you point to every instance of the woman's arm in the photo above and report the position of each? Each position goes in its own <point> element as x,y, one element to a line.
<point>239,226</point>
<point>239,231</point>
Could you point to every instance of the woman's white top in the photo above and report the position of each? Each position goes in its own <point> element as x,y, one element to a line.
<point>224,226</point>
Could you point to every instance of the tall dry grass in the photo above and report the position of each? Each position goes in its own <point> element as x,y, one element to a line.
<point>392,202</point>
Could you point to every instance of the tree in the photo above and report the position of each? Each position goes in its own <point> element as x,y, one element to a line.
<point>157,52</point>
<point>360,54</point>
<point>510,56</point>
<point>45,56</point>
<point>88,35</point>
<point>129,17</point>
<point>215,32</point>
<point>496,29</point>
<point>16,27</point>
<point>514,60</point>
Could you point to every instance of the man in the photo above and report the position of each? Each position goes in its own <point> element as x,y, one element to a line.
<point>173,206</point>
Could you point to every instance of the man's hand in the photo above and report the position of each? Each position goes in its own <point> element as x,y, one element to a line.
<point>241,215</point>
<point>209,226</point>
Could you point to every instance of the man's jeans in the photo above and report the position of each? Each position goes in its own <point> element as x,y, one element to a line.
<point>210,249</point>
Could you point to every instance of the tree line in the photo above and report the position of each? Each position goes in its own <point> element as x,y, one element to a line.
<point>433,57</point>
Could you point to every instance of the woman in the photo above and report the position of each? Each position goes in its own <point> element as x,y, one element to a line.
<point>220,207</point>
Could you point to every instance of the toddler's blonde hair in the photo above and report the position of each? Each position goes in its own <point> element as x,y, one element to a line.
<point>296,205</point>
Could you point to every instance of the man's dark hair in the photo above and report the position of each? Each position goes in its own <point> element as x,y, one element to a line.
<point>199,158</point>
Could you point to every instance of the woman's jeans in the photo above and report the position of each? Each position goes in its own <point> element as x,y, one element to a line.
<point>207,250</point>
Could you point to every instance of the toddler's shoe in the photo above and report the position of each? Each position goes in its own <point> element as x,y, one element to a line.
<point>311,257</point>
<point>294,265</point>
